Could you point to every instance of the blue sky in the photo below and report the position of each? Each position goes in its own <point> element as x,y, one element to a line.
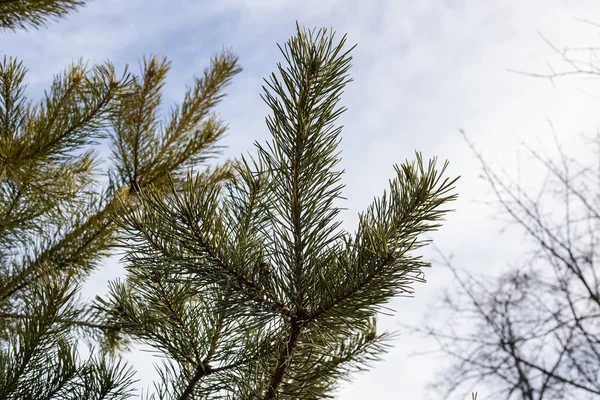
<point>422,71</point>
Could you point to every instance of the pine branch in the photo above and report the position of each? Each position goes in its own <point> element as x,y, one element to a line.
<point>46,304</point>
<point>83,324</point>
<point>180,321</point>
<point>252,289</point>
<point>154,75</point>
<point>78,249</point>
<point>12,101</point>
<point>243,281</point>
<point>257,278</point>
<point>380,266</point>
<point>199,101</point>
<point>144,151</point>
<point>355,291</point>
<point>72,114</point>
<point>271,246</point>
<point>45,183</point>
<point>24,14</point>
<point>301,132</point>
<point>144,111</point>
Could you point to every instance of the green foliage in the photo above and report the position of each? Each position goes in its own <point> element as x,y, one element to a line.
<point>40,358</point>
<point>56,222</point>
<point>145,149</point>
<point>248,286</point>
<point>24,14</point>
<point>240,275</point>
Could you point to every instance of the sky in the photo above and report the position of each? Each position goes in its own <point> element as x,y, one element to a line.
<point>422,71</point>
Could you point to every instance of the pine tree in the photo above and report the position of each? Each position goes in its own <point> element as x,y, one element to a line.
<point>57,218</point>
<point>23,14</point>
<point>248,286</point>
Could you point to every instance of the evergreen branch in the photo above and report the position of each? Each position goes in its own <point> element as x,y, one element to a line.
<point>43,172</point>
<point>220,244</point>
<point>37,334</point>
<point>96,111</point>
<point>83,324</point>
<point>356,290</point>
<point>202,144</point>
<point>12,103</point>
<point>301,132</point>
<point>252,288</point>
<point>197,102</point>
<point>11,207</point>
<point>84,244</point>
<point>103,378</point>
<point>215,339</point>
<point>179,320</point>
<point>147,153</point>
<point>303,100</point>
<point>72,113</point>
<point>204,369</point>
<point>149,99</point>
<point>381,264</point>
<point>154,211</point>
<point>54,107</point>
<point>91,234</point>
<point>245,282</point>
<point>67,371</point>
<point>136,122</point>
<point>120,145</point>
<point>24,14</point>
<point>41,200</point>
<point>25,277</point>
<point>254,292</point>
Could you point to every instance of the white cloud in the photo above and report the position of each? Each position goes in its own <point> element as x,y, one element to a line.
<point>422,70</point>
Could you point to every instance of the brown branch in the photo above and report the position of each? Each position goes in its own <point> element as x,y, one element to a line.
<point>284,359</point>
<point>570,262</point>
<point>202,370</point>
<point>558,377</point>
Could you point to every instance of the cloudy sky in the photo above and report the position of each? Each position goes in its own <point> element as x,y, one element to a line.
<point>422,71</point>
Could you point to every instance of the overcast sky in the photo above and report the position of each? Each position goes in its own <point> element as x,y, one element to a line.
<point>422,70</point>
